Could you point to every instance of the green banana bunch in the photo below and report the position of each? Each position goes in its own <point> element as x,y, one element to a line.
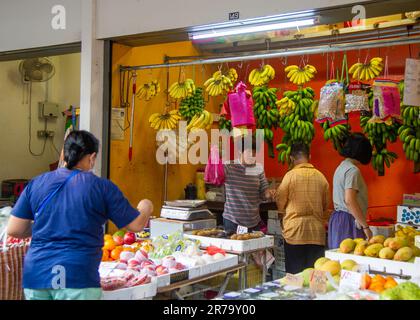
<point>192,105</point>
<point>337,134</point>
<point>225,124</point>
<point>297,122</point>
<point>379,134</point>
<point>266,113</point>
<point>382,158</point>
<point>409,133</point>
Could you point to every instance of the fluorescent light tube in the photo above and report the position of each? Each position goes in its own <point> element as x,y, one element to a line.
<point>253,29</point>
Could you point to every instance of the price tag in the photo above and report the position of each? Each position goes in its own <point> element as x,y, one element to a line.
<point>241,230</point>
<point>294,280</point>
<point>412,82</point>
<point>350,280</point>
<point>318,281</point>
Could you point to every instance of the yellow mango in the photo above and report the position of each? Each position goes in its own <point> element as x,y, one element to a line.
<point>320,262</point>
<point>416,251</point>
<point>377,239</point>
<point>397,243</point>
<point>358,240</point>
<point>386,253</point>
<point>403,254</point>
<point>348,264</point>
<point>332,267</point>
<point>347,245</point>
<point>360,248</point>
<point>373,250</point>
<point>387,241</point>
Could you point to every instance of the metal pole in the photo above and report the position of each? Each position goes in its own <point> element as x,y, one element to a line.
<point>283,53</point>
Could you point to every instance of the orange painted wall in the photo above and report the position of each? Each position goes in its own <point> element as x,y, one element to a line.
<point>384,192</point>
<point>143,177</point>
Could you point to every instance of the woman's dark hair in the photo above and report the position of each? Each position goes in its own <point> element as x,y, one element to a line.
<point>77,145</point>
<point>357,147</point>
<point>299,150</point>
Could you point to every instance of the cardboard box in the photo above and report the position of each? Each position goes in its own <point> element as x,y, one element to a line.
<point>376,264</point>
<point>234,245</point>
<point>408,215</point>
<point>411,199</point>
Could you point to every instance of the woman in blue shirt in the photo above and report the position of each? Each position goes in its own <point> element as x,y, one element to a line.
<point>64,211</point>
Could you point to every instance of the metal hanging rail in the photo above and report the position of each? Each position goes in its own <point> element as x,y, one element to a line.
<point>283,53</point>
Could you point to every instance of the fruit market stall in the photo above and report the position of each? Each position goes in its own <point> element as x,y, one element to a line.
<point>139,268</point>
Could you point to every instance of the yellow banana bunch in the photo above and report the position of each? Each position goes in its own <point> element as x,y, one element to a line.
<point>366,72</point>
<point>148,90</point>
<point>179,90</point>
<point>262,76</point>
<point>286,106</point>
<point>300,76</point>
<point>233,75</point>
<point>218,84</point>
<point>166,121</point>
<point>201,121</point>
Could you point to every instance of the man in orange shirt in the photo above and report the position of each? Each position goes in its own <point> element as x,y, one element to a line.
<point>303,199</point>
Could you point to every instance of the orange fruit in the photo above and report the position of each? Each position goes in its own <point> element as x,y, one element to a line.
<point>107,236</point>
<point>105,255</point>
<point>115,254</point>
<point>379,278</point>
<point>128,249</point>
<point>366,281</point>
<point>377,287</point>
<point>390,283</point>
<point>109,244</point>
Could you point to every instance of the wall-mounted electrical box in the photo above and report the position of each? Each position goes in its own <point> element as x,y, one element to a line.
<point>48,110</point>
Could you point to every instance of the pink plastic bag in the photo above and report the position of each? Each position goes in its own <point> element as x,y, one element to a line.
<point>214,172</point>
<point>240,106</point>
<point>386,99</point>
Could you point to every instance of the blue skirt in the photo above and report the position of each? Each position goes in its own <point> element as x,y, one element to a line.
<point>342,225</point>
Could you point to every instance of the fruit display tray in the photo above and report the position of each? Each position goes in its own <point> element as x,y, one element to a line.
<point>381,265</point>
<point>143,292</point>
<point>230,260</point>
<point>417,241</point>
<point>238,246</point>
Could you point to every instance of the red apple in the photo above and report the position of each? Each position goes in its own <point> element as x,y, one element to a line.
<point>129,238</point>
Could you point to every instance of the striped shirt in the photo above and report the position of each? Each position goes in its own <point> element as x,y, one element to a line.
<point>303,199</point>
<point>245,187</point>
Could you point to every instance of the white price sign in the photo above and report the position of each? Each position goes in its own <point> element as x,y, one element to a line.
<point>241,230</point>
<point>350,280</point>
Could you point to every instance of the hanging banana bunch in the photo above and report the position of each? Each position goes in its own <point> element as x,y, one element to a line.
<point>225,124</point>
<point>149,90</point>
<point>165,121</point>
<point>262,76</point>
<point>296,120</point>
<point>379,134</point>
<point>266,113</point>
<point>183,89</point>
<point>369,71</point>
<point>219,83</point>
<point>192,105</point>
<point>300,76</point>
<point>409,132</point>
<point>337,134</point>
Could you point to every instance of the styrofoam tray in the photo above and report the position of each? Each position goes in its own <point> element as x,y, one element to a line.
<point>134,293</point>
<point>234,245</point>
<point>376,264</point>
<point>417,241</point>
<point>230,260</point>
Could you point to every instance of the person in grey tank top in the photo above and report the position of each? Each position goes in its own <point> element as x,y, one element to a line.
<point>350,193</point>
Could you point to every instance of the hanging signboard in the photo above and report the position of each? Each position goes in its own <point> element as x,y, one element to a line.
<point>412,82</point>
